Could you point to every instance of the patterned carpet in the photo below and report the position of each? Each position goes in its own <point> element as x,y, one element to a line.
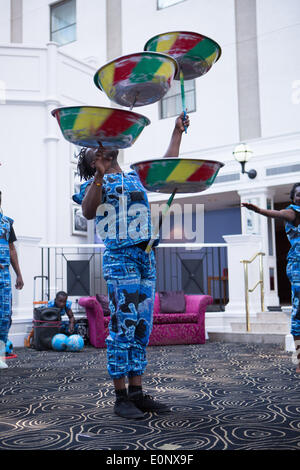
<point>223,397</point>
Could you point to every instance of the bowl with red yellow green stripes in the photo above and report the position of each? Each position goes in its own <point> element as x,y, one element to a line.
<point>194,52</point>
<point>137,79</point>
<point>186,175</point>
<point>88,126</point>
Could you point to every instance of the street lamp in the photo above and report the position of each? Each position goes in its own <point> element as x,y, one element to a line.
<point>242,153</point>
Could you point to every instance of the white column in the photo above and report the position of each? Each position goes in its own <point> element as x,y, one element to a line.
<point>91,231</point>
<point>16,21</point>
<point>241,247</point>
<point>51,144</point>
<point>256,224</point>
<point>51,141</point>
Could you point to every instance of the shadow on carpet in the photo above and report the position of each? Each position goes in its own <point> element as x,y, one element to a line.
<point>222,396</point>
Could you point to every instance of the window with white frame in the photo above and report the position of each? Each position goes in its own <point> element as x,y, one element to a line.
<point>167,3</point>
<point>171,103</point>
<point>63,22</point>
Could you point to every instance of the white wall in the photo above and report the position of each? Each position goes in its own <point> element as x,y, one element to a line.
<point>4,21</point>
<point>75,83</point>
<point>278,29</point>
<point>23,118</point>
<point>90,28</point>
<point>23,168</point>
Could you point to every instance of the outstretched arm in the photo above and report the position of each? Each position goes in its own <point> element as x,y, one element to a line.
<point>287,215</point>
<point>174,145</point>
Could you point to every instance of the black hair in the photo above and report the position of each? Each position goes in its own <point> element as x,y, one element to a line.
<point>292,193</point>
<point>61,293</point>
<point>84,169</point>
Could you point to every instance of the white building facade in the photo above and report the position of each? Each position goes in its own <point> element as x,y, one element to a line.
<point>252,94</point>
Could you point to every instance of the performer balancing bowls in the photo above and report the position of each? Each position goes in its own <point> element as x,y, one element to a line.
<point>128,270</point>
<point>291,217</point>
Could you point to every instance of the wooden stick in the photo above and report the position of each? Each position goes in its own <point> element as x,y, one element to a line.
<point>182,96</point>
<point>165,210</point>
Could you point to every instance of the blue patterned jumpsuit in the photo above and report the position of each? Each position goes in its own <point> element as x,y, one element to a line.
<point>129,271</point>
<point>293,270</point>
<point>7,236</point>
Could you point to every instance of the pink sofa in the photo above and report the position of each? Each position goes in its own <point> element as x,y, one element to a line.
<point>168,328</point>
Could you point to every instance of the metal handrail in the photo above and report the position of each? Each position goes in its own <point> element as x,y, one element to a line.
<point>54,265</point>
<point>260,282</point>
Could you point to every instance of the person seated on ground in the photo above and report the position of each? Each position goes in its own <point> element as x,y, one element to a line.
<point>61,301</point>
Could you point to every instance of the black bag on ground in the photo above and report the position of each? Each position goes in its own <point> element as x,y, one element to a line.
<point>46,324</point>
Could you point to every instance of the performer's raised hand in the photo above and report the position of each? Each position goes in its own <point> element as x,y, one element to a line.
<point>103,159</point>
<point>97,162</point>
<point>182,122</point>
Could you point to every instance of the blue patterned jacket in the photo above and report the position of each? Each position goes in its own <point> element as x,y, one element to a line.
<point>293,234</point>
<point>123,218</point>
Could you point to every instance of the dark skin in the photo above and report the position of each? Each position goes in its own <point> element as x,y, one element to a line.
<point>287,215</point>
<point>105,162</point>
<point>61,302</point>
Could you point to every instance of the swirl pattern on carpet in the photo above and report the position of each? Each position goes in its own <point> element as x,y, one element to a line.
<point>222,396</point>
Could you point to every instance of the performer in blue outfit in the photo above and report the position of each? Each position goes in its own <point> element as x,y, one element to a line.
<point>291,217</point>
<point>8,255</point>
<point>119,204</point>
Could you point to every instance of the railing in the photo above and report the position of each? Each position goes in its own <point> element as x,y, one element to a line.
<point>260,282</point>
<point>60,269</point>
<point>195,268</point>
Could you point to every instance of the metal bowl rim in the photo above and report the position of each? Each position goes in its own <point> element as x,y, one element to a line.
<point>187,32</point>
<point>102,107</point>
<point>177,158</point>
<point>169,57</point>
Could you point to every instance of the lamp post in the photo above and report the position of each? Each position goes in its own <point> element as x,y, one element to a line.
<point>242,153</point>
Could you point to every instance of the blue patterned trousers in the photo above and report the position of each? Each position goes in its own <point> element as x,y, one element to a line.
<point>130,274</point>
<point>5,303</point>
<point>293,273</point>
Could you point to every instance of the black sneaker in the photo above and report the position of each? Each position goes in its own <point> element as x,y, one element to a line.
<point>147,403</point>
<point>126,409</point>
